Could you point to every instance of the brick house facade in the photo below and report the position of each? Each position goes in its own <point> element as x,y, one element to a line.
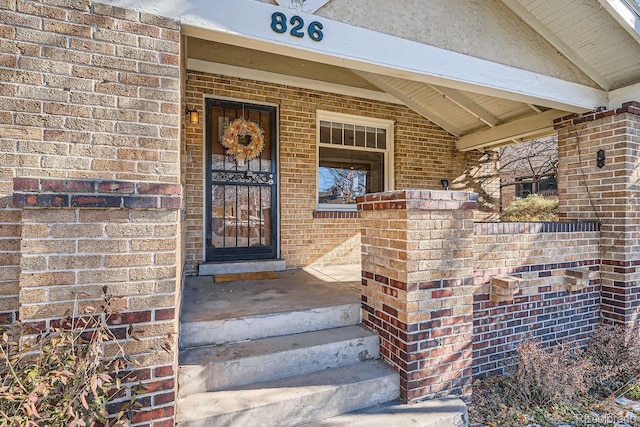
<point>330,238</point>
<point>104,180</point>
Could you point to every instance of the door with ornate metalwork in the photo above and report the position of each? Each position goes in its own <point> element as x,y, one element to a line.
<point>241,194</point>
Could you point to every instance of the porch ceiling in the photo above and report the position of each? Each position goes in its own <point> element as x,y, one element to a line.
<point>601,37</point>
<point>462,113</point>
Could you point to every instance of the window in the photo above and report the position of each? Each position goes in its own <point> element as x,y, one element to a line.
<point>546,185</point>
<point>523,189</point>
<point>354,158</point>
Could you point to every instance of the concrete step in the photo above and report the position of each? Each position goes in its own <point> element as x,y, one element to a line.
<point>212,268</point>
<point>254,327</point>
<point>224,366</point>
<point>446,412</point>
<point>294,400</point>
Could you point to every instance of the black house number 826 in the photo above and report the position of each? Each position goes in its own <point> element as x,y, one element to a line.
<point>279,25</point>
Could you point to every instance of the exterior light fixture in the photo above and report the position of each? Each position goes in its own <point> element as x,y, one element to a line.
<point>194,116</point>
<point>445,183</point>
<point>600,157</point>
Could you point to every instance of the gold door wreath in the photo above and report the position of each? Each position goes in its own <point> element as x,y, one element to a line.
<point>238,145</point>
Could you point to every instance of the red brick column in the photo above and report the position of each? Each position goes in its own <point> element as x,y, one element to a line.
<point>608,194</point>
<point>417,268</point>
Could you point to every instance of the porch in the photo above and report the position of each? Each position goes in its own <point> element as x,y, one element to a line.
<point>289,351</point>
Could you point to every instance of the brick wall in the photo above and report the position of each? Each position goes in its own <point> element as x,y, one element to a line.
<point>9,261</point>
<point>424,154</point>
<point>69,255</point>
<point>89,171</point>
<point>543,255</point>
<point>451,299</point>
<point>417,286</point>
<point>608,194</point>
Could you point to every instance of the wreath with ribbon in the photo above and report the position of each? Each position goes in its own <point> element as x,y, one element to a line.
<point>243,139</point>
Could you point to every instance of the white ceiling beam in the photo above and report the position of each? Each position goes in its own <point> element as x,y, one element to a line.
<point>246,23</point>
<point>301,82</point>
<point>522,12</point>
<point>522,128</point>
<point>625,16</point>
<point>534,108</point>
<point>625,94</point>
<point>419,108</point>
<point>467,104</point>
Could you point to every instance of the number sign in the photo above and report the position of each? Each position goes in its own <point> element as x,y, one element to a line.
<point>279,25</point>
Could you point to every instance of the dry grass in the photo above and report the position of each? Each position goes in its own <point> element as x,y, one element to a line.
<point>551,386</point>
<point>531,208</point>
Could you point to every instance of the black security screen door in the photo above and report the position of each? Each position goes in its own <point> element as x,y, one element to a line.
<point>241,195</point>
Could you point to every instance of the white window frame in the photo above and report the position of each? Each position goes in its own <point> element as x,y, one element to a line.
<point>350,119</point>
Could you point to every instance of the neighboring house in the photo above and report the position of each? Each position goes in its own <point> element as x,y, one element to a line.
<point>529,167</point>
<point>113,173</point>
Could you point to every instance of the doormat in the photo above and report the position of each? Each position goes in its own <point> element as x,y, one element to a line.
<point>242,277</point>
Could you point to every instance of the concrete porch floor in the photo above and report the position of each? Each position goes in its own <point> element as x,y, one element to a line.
<point>299,289</point>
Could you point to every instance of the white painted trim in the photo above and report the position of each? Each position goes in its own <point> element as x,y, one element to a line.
<point>422,109</point>
<point>624,16</point>
<point>242,100</point>
<point>389,170</point>
<point>544,31</point>
<point>524,127</point>
<point>309,6</point>
<point>620,96</point>
<point>468,105</point>
<point>247,23</point>
<point>268,77</point>
<point>328,116</point>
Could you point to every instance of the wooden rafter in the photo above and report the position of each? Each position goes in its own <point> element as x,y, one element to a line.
<point>410,102</point>
<point>556,42</point>
<point>525,127</point>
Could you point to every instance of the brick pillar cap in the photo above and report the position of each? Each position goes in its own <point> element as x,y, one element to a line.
<point>419,199</point>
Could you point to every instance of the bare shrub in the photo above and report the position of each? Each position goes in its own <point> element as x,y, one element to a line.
<point>614,353</point>
<point>541,377</point>
<point>61,376</point>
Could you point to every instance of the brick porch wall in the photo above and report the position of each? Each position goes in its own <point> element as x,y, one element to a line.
<point>424,154</point>
<point>417,286</point>
<point>451,299</point>
<point>89,171</point>
<point>543,307</point>
<point>610,195</point>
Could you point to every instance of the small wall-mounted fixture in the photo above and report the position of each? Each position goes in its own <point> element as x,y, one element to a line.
<point>600,157</point>
<point>194,116</point>
<point>445,183</point>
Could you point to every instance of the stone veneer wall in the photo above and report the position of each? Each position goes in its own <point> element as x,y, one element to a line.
<point>543,306</point>
<point>609,194</point>
<point>424,154</point>
<point>90,174</point>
